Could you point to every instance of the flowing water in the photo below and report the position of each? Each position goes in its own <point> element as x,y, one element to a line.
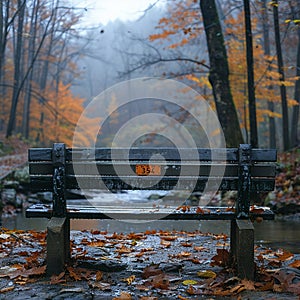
<point>275,234</point>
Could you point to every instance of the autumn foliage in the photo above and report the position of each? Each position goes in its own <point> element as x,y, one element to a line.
<point>181,30</point>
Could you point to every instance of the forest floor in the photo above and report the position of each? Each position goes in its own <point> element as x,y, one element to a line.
<point>148,265</point>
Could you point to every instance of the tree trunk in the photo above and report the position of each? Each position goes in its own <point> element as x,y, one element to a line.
<point>219,74</point>
<point>295,118</point>
<point>17,70</point>
<point>285,117</point>
<point>272,126</point>
<point>31,55</point>
<point>250,76</point>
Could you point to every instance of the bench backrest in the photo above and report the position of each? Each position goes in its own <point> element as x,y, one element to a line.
<point>243,169</point>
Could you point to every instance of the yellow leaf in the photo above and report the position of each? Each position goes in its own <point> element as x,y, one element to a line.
<point>189,282</point>
<point>207,274</point>
<point>129,279</point>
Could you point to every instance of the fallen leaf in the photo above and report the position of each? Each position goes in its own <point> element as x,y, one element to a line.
<point>160,281</point>
<point>186,244</point>
<point>151,270</point>
<point>129,279</point>
<point>248,284</point>
<point>193,291</point>
<point>56,279</point>
<point>284,255</point>
<point>7,289</point>
<point>188,282</point>
<point>99,276</point>
<point>295,264</point>
<point>207,274</point>
<point>169,237</point>
<point>73,274</point>
<point>221,259</point>
<point>103,286</point>
<point>164,243</point>
<point>123,296</point>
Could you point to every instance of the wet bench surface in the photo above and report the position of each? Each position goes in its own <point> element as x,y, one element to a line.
<point>59,169</point>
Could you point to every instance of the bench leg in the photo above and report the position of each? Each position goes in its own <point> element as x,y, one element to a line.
<point>242,248</point>
<point>58,245</point>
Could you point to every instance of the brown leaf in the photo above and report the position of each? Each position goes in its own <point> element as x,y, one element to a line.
<point>248,284</point>
<point>123,296</point>
<point>73,274</point>
<point>200,210</point>
<point>199,248</point>
<point>151,270</point>
<point>284,255</point>
<point>169,237</point>
<point>221,259</point>
<point>160,281</point>
<point>186,244</point>
<point>7,289</point>
<point>295,264</point>
<point>194,291</point>
<point>56,279</point>
<point>164,243</point>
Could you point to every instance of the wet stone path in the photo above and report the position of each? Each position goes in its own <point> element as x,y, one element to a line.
<point>148,265</point>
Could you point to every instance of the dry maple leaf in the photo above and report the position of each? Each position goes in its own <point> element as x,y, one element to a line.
<point>221,259</point>
<point>123,296</point>
<point>164,243</point>
<point>151,270</point>
<point>186,244</point>
<point>284,255</point>
<point>56,279</point>
<point>169,237</point>
<point>160,281</point>
<point>73,274</point>
<point>295,264</point>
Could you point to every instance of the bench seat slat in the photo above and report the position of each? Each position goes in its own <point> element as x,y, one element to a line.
<point>172,154</point>
<point>173,169</point>
<point>123,213</point>
<point>148,183</point>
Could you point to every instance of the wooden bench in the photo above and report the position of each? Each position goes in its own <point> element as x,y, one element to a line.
<point>242,169</point>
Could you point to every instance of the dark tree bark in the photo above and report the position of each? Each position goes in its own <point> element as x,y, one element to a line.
<point>17,70</point>
<point>219,74</point>
<point>31,55</point>
<point>250,76</point>
<point>285,117</point>
<point>265,23</point>
<point>295,117</point>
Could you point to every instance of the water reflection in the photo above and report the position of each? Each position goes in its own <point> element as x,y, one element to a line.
<point>275,234</point>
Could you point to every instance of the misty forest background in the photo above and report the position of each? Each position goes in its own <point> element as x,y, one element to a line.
<point>52,65</point>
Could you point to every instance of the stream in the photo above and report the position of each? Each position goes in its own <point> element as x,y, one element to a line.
<point>275,234</point>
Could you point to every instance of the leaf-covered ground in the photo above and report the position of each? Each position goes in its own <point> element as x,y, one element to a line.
<point>13,154</point>
<point>148,265</point>
<point>286,197</point>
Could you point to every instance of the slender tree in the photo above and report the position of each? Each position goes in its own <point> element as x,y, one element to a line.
<point>266,38</point>
<point>17,69</point>
<point>250,73</point>
<point>219,74</point>
<point>284,105</point>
